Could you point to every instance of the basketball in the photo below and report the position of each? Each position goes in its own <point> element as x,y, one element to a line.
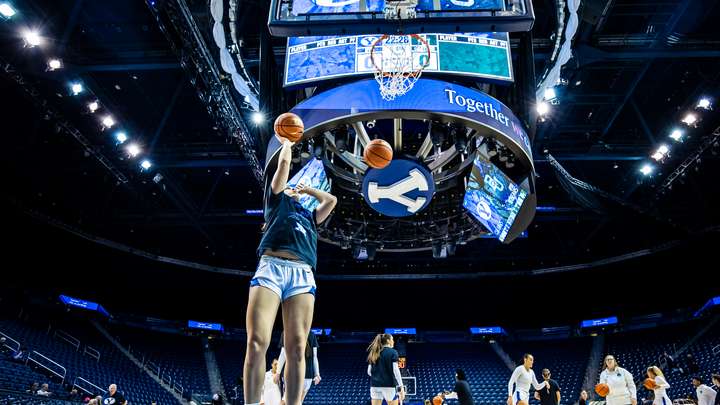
<point>602,390</point>
<point>289,126</point>
<point>650,384</point>
<point>378,154</point>
<point>522,403</point>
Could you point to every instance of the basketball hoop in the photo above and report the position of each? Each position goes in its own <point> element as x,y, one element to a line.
<point>399,61</point>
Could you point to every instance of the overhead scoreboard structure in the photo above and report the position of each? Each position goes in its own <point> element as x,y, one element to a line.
<point>480,55</point>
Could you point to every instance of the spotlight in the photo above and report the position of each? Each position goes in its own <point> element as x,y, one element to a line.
<point>32,39</point>
<point>646,170</point>
<point>676,135</point>
<point>146,164</point>
<point>657,156</point>
<point>439,251</point>
<point>451,248</point>
<point>6,10</point>
<point>542,108</point>
<point>704,103</point>
<point>54,64</point>
<point>76,88</point>
<point>133,150</point>
<point>121,137</point>
<point>663,149</point>
<point>690,119</point>
<point>510,163</point>
<point>371,250</point>
<point>93,106</point>
<point>258,118</point>
<point>108,121</point>
<point>550,94</point>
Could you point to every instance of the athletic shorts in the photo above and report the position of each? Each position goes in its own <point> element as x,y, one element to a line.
<point>386,393</point>
<point>286,278</point>
<point>521,396</point>
<point>307,384</point>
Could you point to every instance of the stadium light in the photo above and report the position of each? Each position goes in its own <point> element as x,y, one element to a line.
<point>704,103</point>
<point>7,11</point>
<point>133,150</point>
<point>121,137</point>
<point>258,118</point>
<point>93,106</point>
<point>76,88</point>
<point>690,119</point>
<point>646,170</point>
<point>54,64</point>
<point>108,121</point>
<point>146,164</point>
<point>542,108</point>
<point>676,135</point>
<point>32,38</point>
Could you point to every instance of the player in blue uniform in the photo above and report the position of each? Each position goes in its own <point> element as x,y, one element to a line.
<point>284,276</point>
<point>384,371</point>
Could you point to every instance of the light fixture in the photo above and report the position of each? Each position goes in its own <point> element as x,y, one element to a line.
<point>6,10</point>
<point>258,118</point>
<point>54,64</point>
<point>32,38</point>
<point>676,135</point>
<point>76,88</point>
<point>93,106</point>
<point>146,164</point>
<point>121,137</point>
<point>108,121</point>
<point>543,108</point>
<point>663,149</point>
<point>690,119</point>
<point>646,170</point>
<point>704,103</point>
<point>133,150</point>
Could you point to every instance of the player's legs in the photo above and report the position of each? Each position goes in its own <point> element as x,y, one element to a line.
<point>261,311</point>
<point>297,312</point>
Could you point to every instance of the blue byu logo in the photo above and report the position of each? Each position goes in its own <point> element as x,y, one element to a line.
<point>401,189</point>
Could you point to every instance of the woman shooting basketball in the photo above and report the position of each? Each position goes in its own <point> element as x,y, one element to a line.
<point>521,379</point>
<point>384,371</point>
<point>288,255</point>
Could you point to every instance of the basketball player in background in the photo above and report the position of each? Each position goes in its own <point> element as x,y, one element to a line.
<point>312,364</point>
<point>284,276</point>
<point>384,371</point>
<point>661,386</point>
<point>521,379</point>
<point>622,389</point>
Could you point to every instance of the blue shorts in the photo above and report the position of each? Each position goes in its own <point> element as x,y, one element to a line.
<point>286,278</point>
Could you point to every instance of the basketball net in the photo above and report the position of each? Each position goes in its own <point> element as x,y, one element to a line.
<point>396,70</point>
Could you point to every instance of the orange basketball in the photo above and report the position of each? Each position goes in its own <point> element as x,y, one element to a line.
<point>522,403</point>
<point>437,400</point>
<point>378,154</point>
<point>602,389</point>
<point>289,126</point>
<point>650,384</point>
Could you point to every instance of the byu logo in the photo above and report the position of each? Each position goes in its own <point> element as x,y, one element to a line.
<point>402,188</point>
<point>483,210</point>
<point>396,192</point>
<point>334,3</point>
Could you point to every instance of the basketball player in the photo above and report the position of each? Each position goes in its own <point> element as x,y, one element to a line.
<point>288,254</point>
<point>522,378</point>
<point>705,394</point>
<point>620,381</point>
<point>271,390</point>
<point>312,365</point>
<point>661,396</point>
<point>384,371</point>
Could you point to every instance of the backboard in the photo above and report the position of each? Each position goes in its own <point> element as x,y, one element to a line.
<point>347,17</point>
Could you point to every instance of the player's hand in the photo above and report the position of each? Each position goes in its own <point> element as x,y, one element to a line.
<point>301,188</point>
<point>509,400</point>
<point>401,394</point>
<point>317,379</point>
<point>633,401</point>
<point>284,141</point>
<point>276,378</point>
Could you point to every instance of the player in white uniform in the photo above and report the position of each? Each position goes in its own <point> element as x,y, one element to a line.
<point>622,386</point>
<point>271,390</point>
<point>705,394</point>
<point>520,381</point>
<point>661,396</point>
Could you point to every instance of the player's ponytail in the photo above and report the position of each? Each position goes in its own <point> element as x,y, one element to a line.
<point>376,347</point>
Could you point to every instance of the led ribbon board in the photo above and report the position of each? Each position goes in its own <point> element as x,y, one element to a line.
<point>205,326</point>
<point>481,55</point>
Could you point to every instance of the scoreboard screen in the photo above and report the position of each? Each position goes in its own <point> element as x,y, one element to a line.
<point>483,55</point>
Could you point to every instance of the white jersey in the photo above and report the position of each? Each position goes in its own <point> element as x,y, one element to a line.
<point>661,396</point>
<point>705,395</point>
<point>622,386</point>
<point>522,379</point>
<point>271,391</point>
